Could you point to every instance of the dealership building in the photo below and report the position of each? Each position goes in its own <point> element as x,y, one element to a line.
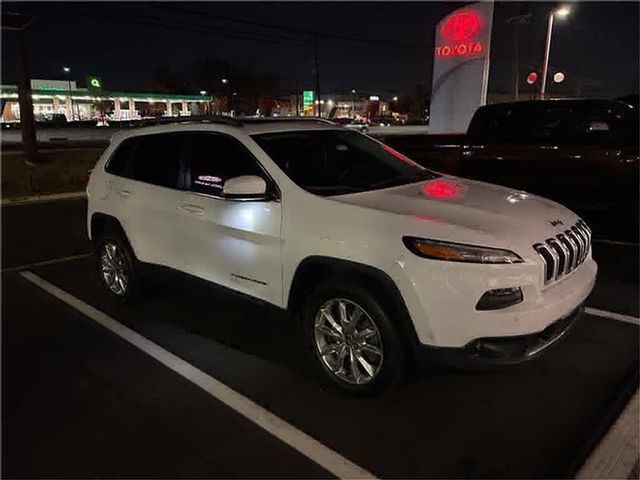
<point>65,97</point>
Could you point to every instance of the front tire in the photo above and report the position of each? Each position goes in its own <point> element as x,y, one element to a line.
<point>116,267</point>
<point>352,339</point>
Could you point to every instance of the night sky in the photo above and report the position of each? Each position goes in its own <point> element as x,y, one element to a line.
<point>596,46</point>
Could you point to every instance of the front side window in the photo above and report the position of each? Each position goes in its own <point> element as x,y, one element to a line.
<point>333,162</point>
<point>156,159</point>
<point>215,158</point>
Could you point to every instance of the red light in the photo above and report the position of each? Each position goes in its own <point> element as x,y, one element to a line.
<point>397,154</point>
<point>532,77</point>
<point>440,189</point>
<point>460,26</point>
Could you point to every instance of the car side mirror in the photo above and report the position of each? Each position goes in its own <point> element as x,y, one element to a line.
<point>245,186</point>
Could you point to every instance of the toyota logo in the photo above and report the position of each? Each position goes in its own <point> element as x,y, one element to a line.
<point>460,26</point>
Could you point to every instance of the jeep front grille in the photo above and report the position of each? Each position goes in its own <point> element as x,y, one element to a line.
<point>565,252</point>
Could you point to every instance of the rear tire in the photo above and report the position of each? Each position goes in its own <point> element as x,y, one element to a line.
<point>117,269</point>
<point>351,337</point>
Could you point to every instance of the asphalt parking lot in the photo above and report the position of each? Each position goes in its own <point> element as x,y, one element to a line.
<point>81,401</point>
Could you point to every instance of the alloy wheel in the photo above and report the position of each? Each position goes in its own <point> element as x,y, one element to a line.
<point>348,341</point>
<point>114,268</point>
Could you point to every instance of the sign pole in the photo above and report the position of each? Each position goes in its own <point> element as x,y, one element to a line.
<point>545,60</point>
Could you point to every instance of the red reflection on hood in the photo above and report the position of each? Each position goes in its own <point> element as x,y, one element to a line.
<point>440,189</point>
<point>429,218</point>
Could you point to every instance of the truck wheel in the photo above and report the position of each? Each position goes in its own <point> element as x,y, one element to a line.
<point>116,267</point>
<point>352,339</point>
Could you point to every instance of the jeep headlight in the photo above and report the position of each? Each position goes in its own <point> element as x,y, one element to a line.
<point>458,252</point>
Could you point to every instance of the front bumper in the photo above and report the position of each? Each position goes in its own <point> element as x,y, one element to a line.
<point>441,300</point>
<point>493,351</point>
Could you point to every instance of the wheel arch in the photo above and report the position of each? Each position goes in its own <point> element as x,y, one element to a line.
<point>313,270</point>
<point>102,223</point>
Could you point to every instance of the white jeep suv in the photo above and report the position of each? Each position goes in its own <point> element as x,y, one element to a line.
<point>383,261</point>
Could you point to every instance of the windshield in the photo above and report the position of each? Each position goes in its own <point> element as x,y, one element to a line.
<point>334,162</point>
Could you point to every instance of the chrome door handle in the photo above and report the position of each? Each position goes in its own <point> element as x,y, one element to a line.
<point>193,209</point>
<point>124,193</point>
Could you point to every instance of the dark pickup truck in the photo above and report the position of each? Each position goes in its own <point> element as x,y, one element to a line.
<point>581,152</point>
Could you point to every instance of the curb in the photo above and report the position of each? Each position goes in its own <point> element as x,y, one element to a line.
<point>42,198</point>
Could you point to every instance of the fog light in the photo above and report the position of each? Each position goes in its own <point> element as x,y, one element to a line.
<point>499,298</point>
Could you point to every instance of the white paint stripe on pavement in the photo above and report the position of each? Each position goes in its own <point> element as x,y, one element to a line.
<point>42,198</point>
<point>614,316</point>
<point>298,440</point>
<point>46,262</point>
<point>615,242</point>
<point>617,452</point>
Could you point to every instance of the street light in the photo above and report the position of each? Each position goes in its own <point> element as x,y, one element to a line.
<point>353,103</point>
<point>203,92</point>
<point>395,99</point>
<point>66,71</point>
<point>562,12</point>
<point>225,81</point>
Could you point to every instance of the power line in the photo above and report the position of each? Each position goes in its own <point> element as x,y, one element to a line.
<point>190,27</point>
<point>288,29</point>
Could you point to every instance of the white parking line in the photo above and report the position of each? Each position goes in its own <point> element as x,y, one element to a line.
<point>296,439</point>
<point>27,266</point>
<point>616,242</point>
<point>614,316</point>
<point>16,202</point>
<point>617,452</point>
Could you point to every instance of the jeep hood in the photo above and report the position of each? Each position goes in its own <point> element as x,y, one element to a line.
<point>472,205</point>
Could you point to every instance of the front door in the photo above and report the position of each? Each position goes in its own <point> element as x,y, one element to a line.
<point>234,242</point>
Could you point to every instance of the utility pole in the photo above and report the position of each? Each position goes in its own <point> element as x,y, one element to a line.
<point>18,23</point>
<point>318,78</point>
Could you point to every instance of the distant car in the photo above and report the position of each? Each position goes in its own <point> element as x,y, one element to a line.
<point>359,125</point>
<point>53,118</point>
<point>381,121</point>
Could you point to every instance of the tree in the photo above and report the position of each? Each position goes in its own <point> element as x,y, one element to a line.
<point>169,81</point>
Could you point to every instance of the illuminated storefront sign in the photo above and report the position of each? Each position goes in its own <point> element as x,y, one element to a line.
<point>307,99</point>
<point>459,30</point>
<point>94,83</point>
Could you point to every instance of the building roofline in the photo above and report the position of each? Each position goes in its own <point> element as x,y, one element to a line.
<point>141,96</point>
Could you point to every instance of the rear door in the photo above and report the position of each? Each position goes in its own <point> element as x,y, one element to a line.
<point>235,242</point>
<point>147,194</point>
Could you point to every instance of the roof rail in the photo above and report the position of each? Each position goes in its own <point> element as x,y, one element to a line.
<point>219,119</point>
<point>249,120</point>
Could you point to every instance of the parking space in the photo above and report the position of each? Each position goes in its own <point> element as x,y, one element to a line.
<point>111,410</point>
<point>79,402</point>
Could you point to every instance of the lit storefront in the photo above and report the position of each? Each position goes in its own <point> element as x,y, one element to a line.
<point>54,98</point>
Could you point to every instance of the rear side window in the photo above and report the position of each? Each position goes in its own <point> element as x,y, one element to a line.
<point>153,159</point>
<point>214,158</point>
<point>120,161</point>
<point>156,159</point>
